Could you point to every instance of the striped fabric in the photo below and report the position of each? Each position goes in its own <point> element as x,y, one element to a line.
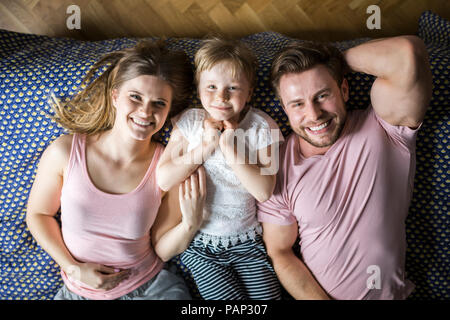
<point>241,272</point>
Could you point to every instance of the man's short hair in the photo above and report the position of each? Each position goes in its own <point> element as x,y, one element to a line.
<point>300,56</point>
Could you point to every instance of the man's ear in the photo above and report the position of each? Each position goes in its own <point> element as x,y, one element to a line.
<point>345,90</point>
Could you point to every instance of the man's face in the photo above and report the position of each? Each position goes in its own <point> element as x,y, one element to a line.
<point>315,105</point>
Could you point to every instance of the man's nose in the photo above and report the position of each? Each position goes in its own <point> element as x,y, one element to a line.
<point>314,111</point>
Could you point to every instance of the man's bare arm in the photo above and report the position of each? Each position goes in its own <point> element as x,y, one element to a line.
<point>401,93</point>
<point>291,271</point>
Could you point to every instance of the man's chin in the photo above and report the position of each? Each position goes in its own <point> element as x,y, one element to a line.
<point>322,142</point>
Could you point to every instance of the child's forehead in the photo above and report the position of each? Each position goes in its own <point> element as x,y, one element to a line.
<point>225,68</point>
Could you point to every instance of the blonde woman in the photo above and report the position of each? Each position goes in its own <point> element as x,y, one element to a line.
<point>117,226</point>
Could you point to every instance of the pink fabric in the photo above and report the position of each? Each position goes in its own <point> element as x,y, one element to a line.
<point>110,229</point>
<point>350,204</point>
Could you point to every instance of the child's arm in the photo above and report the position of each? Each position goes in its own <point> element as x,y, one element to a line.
<point>256,178</point>
<point>175,164</point>
<point>180,216</point>
<point>43,204</point>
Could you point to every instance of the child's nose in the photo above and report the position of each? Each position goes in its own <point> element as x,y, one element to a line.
<point>222,95</point>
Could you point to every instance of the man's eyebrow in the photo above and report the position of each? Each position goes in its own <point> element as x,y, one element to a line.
<point>324,90</point>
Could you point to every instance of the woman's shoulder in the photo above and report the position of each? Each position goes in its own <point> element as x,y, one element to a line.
<point>58,152</point>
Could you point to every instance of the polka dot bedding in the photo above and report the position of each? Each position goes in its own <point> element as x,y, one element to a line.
<point>34,67</point>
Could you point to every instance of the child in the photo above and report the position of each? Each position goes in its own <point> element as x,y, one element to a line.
<point>227,258</point>
<point>103,179</point>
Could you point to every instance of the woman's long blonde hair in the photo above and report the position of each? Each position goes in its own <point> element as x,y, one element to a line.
<point>91,111</point>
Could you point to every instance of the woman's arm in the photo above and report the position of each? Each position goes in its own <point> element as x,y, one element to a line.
<point>180,216</point>
<point>176,164</point>
<point>43,204</point>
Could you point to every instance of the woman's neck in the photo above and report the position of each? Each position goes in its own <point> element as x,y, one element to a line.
<point>125,149</point>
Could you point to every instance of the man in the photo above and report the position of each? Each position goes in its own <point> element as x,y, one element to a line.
<point>346,177</point>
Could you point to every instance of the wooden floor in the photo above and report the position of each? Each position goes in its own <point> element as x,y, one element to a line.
<point>306,19</point>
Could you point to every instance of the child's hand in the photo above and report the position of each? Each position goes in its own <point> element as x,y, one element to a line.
<point>192,194</point>
<point>98,276</point>
<point>212,129</point>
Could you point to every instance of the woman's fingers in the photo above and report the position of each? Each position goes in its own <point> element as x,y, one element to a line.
<point>201,181</point>
<point>194,185</point>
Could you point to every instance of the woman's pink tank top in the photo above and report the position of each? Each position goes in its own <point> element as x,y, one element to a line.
<point>109,229</point>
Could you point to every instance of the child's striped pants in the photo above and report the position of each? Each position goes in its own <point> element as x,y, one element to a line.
<point>239,272</point>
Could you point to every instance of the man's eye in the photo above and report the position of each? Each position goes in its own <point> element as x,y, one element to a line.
<point>322,96</point>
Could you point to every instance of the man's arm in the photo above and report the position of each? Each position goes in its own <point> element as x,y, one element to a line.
<point>291,271</point>
<point>401,93</point>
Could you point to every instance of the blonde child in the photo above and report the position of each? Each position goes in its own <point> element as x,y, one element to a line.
<point>117,226</point>
<point>237,146</point>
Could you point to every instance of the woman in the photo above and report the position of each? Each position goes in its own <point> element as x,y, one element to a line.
<point>114,217</point>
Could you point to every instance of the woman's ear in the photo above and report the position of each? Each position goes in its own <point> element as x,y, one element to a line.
<point>114,97</point>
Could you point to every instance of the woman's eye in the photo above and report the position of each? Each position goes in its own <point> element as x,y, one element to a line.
<point>135,97</point>
<point>160,104</point>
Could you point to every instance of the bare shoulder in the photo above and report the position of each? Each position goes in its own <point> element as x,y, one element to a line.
<point>57,153</point>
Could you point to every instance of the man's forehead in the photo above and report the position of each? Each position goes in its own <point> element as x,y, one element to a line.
<point>314,76</point>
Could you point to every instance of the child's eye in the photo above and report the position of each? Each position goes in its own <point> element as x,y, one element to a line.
<point>211,86</point>
<point>233,88</point>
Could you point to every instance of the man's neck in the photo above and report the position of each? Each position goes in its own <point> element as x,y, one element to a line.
<point>308,150</point>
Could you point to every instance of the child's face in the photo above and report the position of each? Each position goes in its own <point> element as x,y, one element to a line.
<point>142,105</point>
<point>222,95</point>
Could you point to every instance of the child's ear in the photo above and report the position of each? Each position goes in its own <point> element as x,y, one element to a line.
<point>250,93</point>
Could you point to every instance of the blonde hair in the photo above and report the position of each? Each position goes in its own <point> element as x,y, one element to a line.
<point>91,111</point>
<point>216,50</point>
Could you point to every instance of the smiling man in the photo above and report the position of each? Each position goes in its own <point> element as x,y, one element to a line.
<point>346,177</point>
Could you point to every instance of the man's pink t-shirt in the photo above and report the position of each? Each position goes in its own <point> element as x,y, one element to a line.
<point>109,229</point>
<point>350,205</point>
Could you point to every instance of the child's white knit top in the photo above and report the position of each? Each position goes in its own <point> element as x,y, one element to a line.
<point>229,207</point>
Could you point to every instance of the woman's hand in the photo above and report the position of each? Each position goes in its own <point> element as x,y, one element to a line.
<point>192,194</point>
<point>98,276</point>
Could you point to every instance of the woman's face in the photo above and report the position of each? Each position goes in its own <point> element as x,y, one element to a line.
<point>142,105</point>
